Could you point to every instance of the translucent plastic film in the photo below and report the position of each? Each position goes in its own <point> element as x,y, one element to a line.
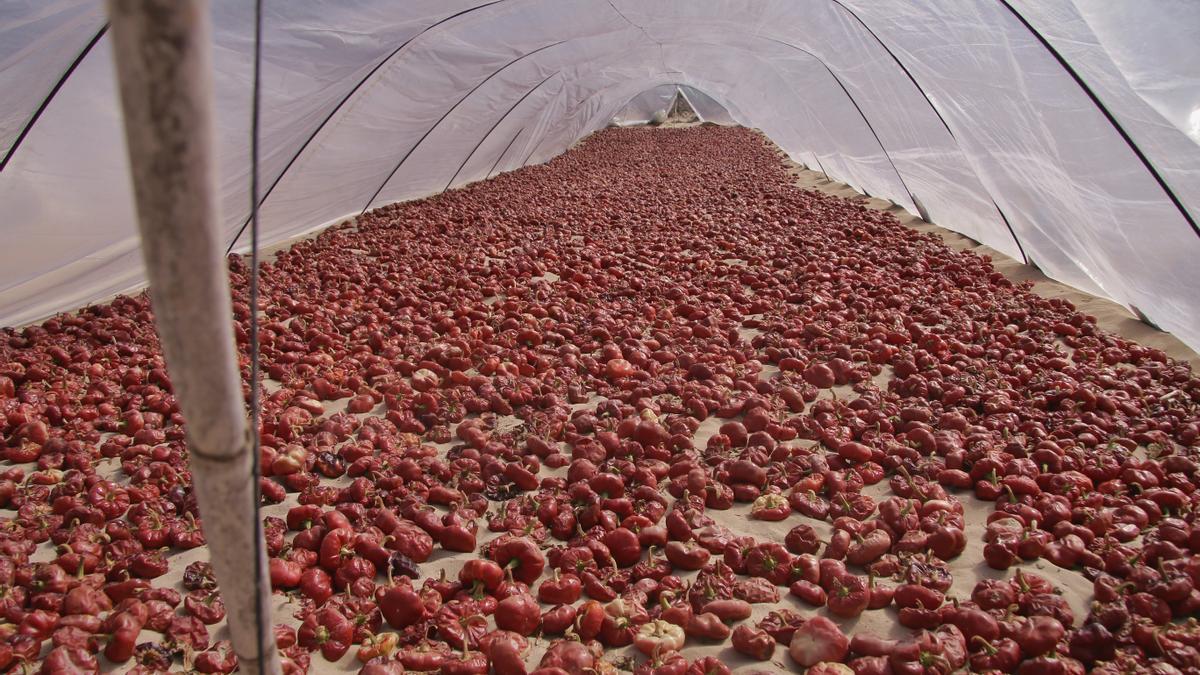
<point>641,108</point>
<point>1058,131</point>
<point>706,106</point>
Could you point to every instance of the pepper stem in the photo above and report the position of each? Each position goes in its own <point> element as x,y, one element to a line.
<point>987,646</point>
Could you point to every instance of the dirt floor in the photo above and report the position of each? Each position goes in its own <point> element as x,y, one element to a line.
<point>967,569</point>
<point>1110,316</point>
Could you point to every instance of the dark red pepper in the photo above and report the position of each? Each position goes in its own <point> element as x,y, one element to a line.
<point>328,630</point>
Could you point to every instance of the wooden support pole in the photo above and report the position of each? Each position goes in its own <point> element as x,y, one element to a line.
<point>161,49</point>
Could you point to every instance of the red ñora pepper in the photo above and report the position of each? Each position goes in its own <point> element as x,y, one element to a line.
<point>401,606</point>
<point>123,629</point>
<point>205,605</point>
<point>753,642</point>
<point>328,630</point>
<point>316,585</point>
<point>518,613</point>
<point>219,659</point>
<point>771,561</point>
<point>560,589</point>
<point>521,555</point>
<point>66,659</point>
<point>848,596</point>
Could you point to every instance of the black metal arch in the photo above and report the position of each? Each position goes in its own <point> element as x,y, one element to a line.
<point>498,122</point>
<point>1003,217</point>
<point>938,113</point>
<point>680,85</point>
<point>532,151</point>
<point>345,99</point>
<point>1083,85</point>
<point>1062,61</point>
<point>538,145</point>
<point>832,74</point>
<point>525,162</point>
<point>447,114</point>
<point>664,84</point>
<point>635,95</point>
<point>504,152</point>
<point>12,149</point>
<point>541,140</point>
<point>333,112</point>
<point>856,107</point>
<point>898,62</point>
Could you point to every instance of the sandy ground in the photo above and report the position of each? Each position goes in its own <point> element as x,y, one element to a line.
<point>1110,316</point>
<point>967,569</point>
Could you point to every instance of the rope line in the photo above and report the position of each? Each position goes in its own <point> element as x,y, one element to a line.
<point>255,402</point>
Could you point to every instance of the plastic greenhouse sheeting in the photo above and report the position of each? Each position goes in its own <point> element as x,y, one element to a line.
<point>641,108</point>
<point>705,106</point>
<point>1059,131</point>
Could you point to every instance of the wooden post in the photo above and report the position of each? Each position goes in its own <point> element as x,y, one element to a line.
<point>161,49</point>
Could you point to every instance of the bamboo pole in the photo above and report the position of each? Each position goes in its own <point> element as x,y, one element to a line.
<point>161,49</point>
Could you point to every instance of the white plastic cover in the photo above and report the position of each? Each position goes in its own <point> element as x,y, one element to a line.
<point>641,108</point>
<point>955,109</point>
<point>706,107</point>
<point>39,39</point>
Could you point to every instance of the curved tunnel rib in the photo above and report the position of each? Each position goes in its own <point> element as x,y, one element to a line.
<point>832,74</point>
<point>679,85</point>
<point>345,99</point>
<point>907,73</point>
<point>726,104</point>
<point>378,66</point>
<point>856,107</point>
<point>616,108</point>
<point>528,157</point>
<point>1078,80</point>
<point>504,152</point>
<point>898,62</point>
<point>52,93</point>
<point>654,77</point>
<point>1091,94</point>
<point>540,141</point>
<point>498,122</point>
<point>447,114</point>
<point>819,164</point>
